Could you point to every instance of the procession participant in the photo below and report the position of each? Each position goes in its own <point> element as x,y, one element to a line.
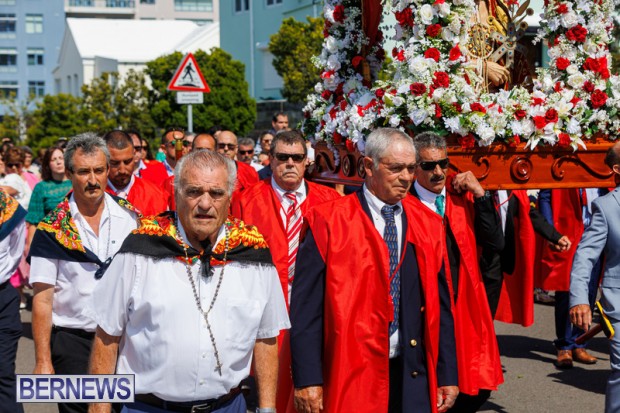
<point>70,252</point>
<point>12,241</point>
<point>277,207</point>
<point>372,329</point>
<point>168,140</point>
<point>227,146</point>
<point>222,296</point>
<point>153,171</point>
<point>601,237</point>
<point>468,217</point>
<point>147,197</point>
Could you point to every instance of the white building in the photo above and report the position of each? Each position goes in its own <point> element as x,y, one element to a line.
<point>92,47</point>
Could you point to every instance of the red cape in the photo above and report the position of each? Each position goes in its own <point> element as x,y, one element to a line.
<point>246,176</point>
<point>168,190</point>
<point>357,310</point>
<point>553,273</point>
<point>516,302</point>
<point>259,206</point>
<point>479,364</point>
<point>146,197</point>
<point>155,172</point>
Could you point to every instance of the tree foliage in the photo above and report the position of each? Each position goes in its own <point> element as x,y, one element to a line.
<point>55,116</point>
<point>229,104</point>
<point>293,48</point>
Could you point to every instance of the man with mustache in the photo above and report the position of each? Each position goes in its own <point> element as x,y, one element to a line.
<point>144,195</point>
<point>372,329</point>
<point>70,252</point>
<point>468,218</point>
<point>277,206</point>
<point>193,299</point>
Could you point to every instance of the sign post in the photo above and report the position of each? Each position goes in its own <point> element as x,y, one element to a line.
<point>190,84</point>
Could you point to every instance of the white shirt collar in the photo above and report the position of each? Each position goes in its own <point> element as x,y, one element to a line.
<point>425,195</point>
<point>300,192</point>
<point>220,235</point>
<point>375,204</point>
<point>126,189</point>
<point>114,208</point>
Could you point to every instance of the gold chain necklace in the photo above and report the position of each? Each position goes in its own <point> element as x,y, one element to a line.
<point>205,314</point>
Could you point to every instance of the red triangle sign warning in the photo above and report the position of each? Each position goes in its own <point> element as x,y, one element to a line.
<point>188,77</point>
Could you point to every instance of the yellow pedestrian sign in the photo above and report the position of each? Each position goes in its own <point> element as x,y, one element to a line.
<point>188,77</point>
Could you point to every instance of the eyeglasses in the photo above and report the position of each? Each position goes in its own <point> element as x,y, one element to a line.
<point>187,144</point>
<point>248,152</point>
<point>139,148</point>
<point>13,165</point>
<point>230,146</point>
<point>431,165</point>
<point>296,157</point>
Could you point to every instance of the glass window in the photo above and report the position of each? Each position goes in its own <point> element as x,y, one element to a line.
<point>147,1</point>
<point>8,60</point>
<point>193,5</point>
<point>7,2</point>
<point>8,89</point>
<point>35,57</point>
<point>273,2</point>
<point>242,5</point>
<point>119,3</point>
<point>36,88</point>
<point>7,23</point>
<point>34,23</point>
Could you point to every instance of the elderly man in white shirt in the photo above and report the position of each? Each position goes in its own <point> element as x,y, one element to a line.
<point>12,240</point>
<point>71,249</point>
<point>195,299</point>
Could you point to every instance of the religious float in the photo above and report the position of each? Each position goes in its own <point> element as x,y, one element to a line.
<point>544,129</point>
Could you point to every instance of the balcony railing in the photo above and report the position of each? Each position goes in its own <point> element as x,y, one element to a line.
<point>124,4</point>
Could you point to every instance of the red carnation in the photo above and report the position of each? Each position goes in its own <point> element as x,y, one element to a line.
<point>477,107</point>
<point>379,93</point>
<point>520,114</point>
<point>337,138</point>
<point>598,98</point>
<point>540,122</point>
<point>350,146</point>
<point>588,86</point>
<point>457,106</point>
<point>401,56</point>
<point>577,34</point>
<point>404,17</point>
<point>551,116</point>
<point>455,53</point>
<point>557,87</point>
<point>592,64</point>
<point>418,89</point>
<point>441,79</point>
<point>432,53</point>
<point>339,13</point>
<point>394,52</point>
<point>562,63</point>
<point>467,142</point>
<point>575,100</point>
<point>564,139</point>
<point>326,94</point>
<point>433,30</point>
<point>356,61</point>
<point>561,8</point>
<point>343,104</point>
<point>538,101</point>
<point>437,111</point>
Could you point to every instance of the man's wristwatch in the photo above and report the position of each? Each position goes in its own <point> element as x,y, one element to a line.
<point>265,410</point>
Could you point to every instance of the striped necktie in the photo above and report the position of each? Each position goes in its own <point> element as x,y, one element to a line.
<point>293,228</point>
<point>390,236</point>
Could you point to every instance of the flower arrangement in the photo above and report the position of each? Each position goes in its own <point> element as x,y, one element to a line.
<point>575,98</point>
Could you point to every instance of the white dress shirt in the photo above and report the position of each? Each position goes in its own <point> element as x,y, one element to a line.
<point>165,341</point>
<point>428,197</point>
<point>300,194</point>
<point>11,250</point>
<point>74,282</point>
<point>375,205</point>
<point>122,192</point>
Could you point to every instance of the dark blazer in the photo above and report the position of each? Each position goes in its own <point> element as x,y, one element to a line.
<point>307,325</point>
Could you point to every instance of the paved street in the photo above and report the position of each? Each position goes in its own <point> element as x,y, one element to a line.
<point>532,383</point>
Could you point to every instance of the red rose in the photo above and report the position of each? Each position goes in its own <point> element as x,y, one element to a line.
<point>551,116</point>
<point>538,101</point>
<point>467,142</point>
<point>592,64</point>
<point>562,63</point>
<point>561,8</point>
<point>401,56</point>
<point>441,79</point>
<point>356,61</point>
<point>455,53</point>
<point>520,114</point>
<point>350,146</point>
<point>379,93</point>
<point>564,139</point>
<point>404,17</point>
<point>326,94</point>
<point>433,30</point>
<point>337,138</point>
<point>394,52</point>
<point>588,86</point>
<point>339,13</point>
<point>598,98</point>
<point>477,107</point>
<point>432,53</point>
<point>437,111</point>
<point>577,34</point>
<point>457,106</point>
<point>540,122</point>
<point>418,89</point>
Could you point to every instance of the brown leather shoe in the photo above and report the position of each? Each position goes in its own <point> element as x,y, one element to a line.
<point>565,359</point>
<point>582,356</point>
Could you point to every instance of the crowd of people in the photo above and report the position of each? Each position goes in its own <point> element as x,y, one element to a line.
<point>222,260</point>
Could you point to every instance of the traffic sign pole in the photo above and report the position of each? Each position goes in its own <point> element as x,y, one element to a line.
<point>190,119</point>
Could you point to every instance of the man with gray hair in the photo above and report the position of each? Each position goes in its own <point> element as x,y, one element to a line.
<point>245,153</point>
<point>203,288</point>
<point>372,329</point>
<point>70,252</point>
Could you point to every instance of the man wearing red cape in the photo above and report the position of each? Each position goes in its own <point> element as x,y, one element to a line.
<point>372,329</point>
<point>265,206</point>
<point>463,211</point>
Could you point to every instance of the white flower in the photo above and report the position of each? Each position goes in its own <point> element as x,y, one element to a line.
<point>443,9</point>
<point>426,14</point>
<point>418,65</point>
<point>394,121</point>
<point>331,44</point>
<point>418,116</point>
<point>572,69</point>
<point>569,20</point>
<point>573,127</point>
<point>333,62</point>
<point>563,107</point>
<point>576,80</point>
<point>454,125</point>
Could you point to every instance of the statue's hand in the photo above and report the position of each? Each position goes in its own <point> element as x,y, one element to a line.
<point>496,73</point>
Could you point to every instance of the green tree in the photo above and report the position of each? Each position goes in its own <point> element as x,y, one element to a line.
<point>229,104</point>
<point>55,116</point>
<point>293,48</point>
<point>15,119</point>
<point>97,106</point>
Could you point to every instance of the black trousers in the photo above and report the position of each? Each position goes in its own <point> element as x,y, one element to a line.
<point>470,404</point>
<point>70,355</point>
<point>395,401</point>
<point>10,332</point>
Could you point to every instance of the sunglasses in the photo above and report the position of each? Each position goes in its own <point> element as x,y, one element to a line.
<point>249,152</point>
<point>187,144</point>
<point>230,146</point>
<point>431,165</point>
<point>139,148</point>
<point>13,165</point>
<point>296,157</point>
